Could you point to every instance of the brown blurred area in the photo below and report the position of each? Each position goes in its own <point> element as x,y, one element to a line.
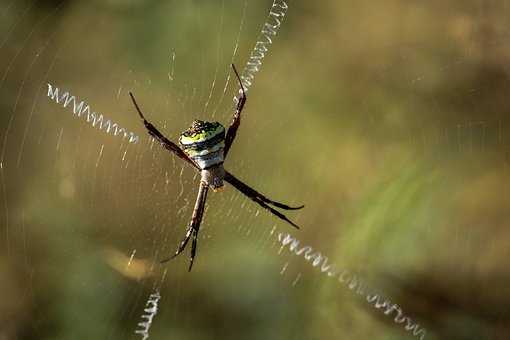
<point>388,120</point>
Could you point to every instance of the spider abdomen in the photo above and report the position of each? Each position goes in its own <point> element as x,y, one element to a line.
<point>204,143</point>
<point>213,177</point>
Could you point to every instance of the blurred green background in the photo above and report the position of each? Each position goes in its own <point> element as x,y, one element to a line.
<point>389,120</point>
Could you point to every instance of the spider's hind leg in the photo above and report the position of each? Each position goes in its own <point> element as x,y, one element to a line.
<point>194,225</point>
<point>261,199</point>
<point>189,233</point>
<point>193,248</point>
<point>182,245</point>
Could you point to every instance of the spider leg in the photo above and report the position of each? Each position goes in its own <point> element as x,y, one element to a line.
<point>167,144</point>
<point>182,245</point>
<point>193,249</point>
<point>252,192</point>
<point>274,212</point>
<point>236,120</point>
<point>260,199</point>
<point>194,225</point>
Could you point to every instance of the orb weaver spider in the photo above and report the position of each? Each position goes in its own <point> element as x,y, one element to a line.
<point>205,146</point>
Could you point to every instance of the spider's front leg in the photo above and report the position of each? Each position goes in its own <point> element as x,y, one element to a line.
<point>159,136</point>
<point>236,120</point>
<point>194,225</point>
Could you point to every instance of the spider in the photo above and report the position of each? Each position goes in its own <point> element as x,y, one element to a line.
<point>205,146</point>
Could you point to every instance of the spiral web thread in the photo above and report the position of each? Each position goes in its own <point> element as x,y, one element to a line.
<point>150,310</point>
<point>96,119</point>
<point>352,281</point>
<point>265,39</point>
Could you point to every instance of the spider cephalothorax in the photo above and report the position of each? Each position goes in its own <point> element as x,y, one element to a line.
<point>205,146</point>
<point>204,142</point>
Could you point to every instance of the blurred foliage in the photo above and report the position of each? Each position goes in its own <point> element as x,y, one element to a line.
<point>389,120</point>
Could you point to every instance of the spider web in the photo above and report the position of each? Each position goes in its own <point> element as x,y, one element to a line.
<point>392,131</point>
